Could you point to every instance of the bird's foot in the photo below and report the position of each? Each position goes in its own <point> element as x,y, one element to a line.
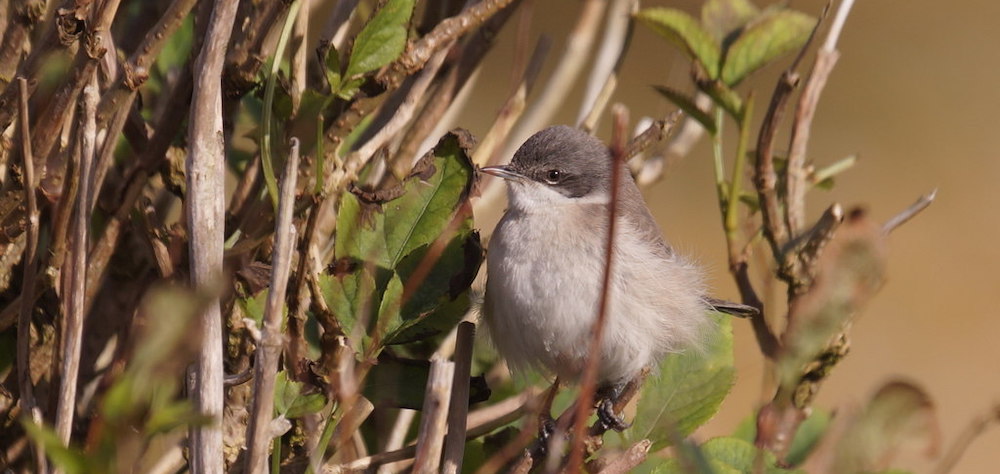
<point>607,418</point>
<point>546,430</point>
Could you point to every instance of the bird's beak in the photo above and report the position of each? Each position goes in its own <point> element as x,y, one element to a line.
<point>502,171</point>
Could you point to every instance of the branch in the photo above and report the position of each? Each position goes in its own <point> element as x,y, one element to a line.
<point>30,262</point>
<point>910,212</point>
<point>588,385</point>
<point>433,422</point>
<point>454,443</point>
<point>269,351</point>
<point>205,212</point>
<point>75,308</point>
<point>604,73</point>
<point>795,173</point>
<point>976,427</point>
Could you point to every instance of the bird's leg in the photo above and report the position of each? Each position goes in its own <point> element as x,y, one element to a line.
<point>606,397</point>
<point>546,424</point>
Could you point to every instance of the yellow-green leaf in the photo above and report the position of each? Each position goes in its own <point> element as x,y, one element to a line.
<point>774,34</point>
<point>382,40</point>
<point>685,31</point>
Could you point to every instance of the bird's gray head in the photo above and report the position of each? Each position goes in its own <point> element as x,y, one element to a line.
<point>558,165</point>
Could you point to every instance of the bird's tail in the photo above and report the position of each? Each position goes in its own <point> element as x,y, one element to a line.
<point>734,309</point>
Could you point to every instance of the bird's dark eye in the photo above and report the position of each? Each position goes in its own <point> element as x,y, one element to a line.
<point>553,176</point>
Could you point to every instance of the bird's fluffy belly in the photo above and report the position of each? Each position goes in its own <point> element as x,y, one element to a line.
<point>546,321</point>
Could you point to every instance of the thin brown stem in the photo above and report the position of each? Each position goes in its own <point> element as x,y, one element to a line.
<point>269,350</point>
<point>433,423</point>
<point>205,212</point>
<point>589,383</point>
<point>910,212</point>
<point>795,173</point>
<point>975,428</point>
<point>30,263</point>
<point>76,308</point>
<point>454,443</point>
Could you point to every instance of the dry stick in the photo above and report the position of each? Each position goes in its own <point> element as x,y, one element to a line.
<point>433,424</point>
<point>976,427</point>
<point>205,209</point>
<point>30,269</point>
<point>135,72</point>
<point>404,112</point>
<point>454,443</point>
<point>450,91</point>
<point>795,173</point>
<point>335,30</point>
<point>75,309</point>
<point>588,385</point>
<point>553,95</point>
<point>481,422</point>
<point>910,212</point>
<point>259,433</point>
<point>632,457</point>
<point>22,15</point>
<point>604,73</point>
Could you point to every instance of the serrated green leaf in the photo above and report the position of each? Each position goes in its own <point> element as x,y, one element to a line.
<point>774,34</point>
<point>900,411</point>
<point>686,104</point>
<point>382,39</point>
<point>683,30</point>
<point>385,232</point>
<point>724,18</point>
<point>688,390</point>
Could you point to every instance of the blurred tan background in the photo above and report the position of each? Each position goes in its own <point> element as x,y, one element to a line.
<point>916,94</point>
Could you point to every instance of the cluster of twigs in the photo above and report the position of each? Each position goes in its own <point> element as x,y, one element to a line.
<point>101,159</point>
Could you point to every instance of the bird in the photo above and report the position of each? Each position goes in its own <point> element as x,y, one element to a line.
<point>546,263</point>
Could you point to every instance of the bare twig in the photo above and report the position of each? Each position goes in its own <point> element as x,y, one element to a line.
<point>480,422</point>
<point>588,385</point>
<point>632,457</point>
<point>566,72</point>
<point>73,329</point>
<point>975,428</point>
<point>135,72</point>
<point>269,349</point>
<point>433,423</point>
<point>604,73</point>
<point>205,209</point>
<point>795,173</point>
<point>30,262</point>
<point>909,212</point>
<point>454,443</point>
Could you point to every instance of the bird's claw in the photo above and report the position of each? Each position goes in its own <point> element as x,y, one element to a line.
<point>607,417</point>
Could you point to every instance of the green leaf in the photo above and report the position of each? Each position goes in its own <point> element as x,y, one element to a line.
<point>724,18</point>
<point>773,35</point>
<point>899,412</point>
<point>253,306</point>
<point>684,31</point>
<point>383,231</point>
<point>349,293</point>
<point>290,402</point>
<point>439,297</point>
<point>68,460</point>
<point>806,438</point>
<point>687,104</point>
<point>688,390</point>
<point>725,455</point>
<point>382,40</point>
<point>725,97</point>
<point>332,71</point>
